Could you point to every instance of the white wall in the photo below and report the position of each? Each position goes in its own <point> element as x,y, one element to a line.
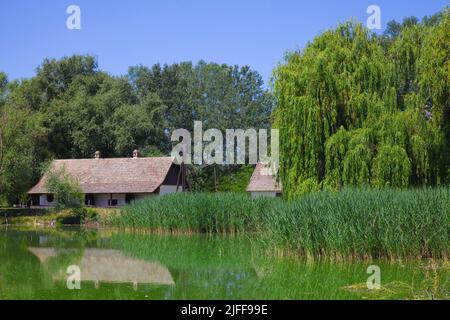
<point>163,189</point>
<point>101,200</point>
<point>263,194</point>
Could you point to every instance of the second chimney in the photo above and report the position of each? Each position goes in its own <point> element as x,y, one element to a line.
<point>136,154</point>
<point>97,155</point>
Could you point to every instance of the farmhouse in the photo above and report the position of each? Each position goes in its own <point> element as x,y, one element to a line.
<point>116,181</point>
<point>263,182</point>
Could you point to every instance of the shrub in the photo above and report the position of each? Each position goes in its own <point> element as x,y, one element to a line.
<point>65,189</point>
<point>91,215</point>
<point>77,216</point>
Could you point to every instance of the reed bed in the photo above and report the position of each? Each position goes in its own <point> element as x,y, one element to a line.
<point>196,213</point>
<point>364,223</point>
<point>367,223</point>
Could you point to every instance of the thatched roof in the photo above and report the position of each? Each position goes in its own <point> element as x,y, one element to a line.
<point>262,180</point>
<point>113,175</point>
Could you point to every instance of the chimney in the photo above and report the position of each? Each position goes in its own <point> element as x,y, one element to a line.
<point>97,155</point>
<point>135,154</point>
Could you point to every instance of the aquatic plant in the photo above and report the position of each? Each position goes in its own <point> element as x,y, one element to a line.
<point>351,223</point>
<point>364,223</point>
<point>199,212</point>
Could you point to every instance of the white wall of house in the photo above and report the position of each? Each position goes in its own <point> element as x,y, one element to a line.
<point>164,189</point>
<point>263,194</point>
<point>102,200</point>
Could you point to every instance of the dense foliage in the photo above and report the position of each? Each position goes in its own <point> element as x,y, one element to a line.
<point>67,193</point>
<point>352,223</point>
<point>70,109</point>
<point>355,108</point>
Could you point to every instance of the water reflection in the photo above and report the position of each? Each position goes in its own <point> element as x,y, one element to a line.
<point>107,265</point>
<point>123,265</point>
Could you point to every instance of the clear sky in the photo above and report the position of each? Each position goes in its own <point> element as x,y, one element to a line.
<point>124,33</point>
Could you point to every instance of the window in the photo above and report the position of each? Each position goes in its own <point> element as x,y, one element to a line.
<point>35,200</point>
<point>89,200</point>
<point>112,202</point>
<point>50,197</point>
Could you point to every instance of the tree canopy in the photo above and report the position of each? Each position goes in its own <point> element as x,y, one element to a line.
<point>70,109</point>
<point>354,108</point>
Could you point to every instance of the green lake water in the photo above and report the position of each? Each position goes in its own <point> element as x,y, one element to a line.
<point>119,265</point>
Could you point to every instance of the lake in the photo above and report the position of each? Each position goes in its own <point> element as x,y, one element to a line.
<point>34,264</point>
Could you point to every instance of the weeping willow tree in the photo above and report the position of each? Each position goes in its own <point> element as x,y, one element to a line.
<point>352,111</point>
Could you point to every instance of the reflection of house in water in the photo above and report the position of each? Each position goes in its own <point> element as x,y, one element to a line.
<point>102,265</point>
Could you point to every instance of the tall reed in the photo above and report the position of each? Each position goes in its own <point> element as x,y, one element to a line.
<point>364,222</point>
<point>351,223</point>
<point>200,212</point>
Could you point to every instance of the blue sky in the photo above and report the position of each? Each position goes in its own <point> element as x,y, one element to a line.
<point>124,33</point>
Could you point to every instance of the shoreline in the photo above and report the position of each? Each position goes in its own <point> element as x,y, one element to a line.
<point>279,252</point>
<point>352,224</point>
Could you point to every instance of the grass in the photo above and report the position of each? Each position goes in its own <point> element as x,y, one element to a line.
<point>359,223</point>
<point>53,217</point>
<point>27,216</point>
<point>16,212</point>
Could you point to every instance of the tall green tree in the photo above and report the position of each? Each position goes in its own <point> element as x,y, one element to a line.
<point>219,95</point>
<point>354,109</point>
<point>21,137</point>
<point>70,109</point>
<point>79,121</point>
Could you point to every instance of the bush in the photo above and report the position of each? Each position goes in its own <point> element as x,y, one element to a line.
<point>91,215</point>
<point>77,216</point>
<point>65,189</point>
